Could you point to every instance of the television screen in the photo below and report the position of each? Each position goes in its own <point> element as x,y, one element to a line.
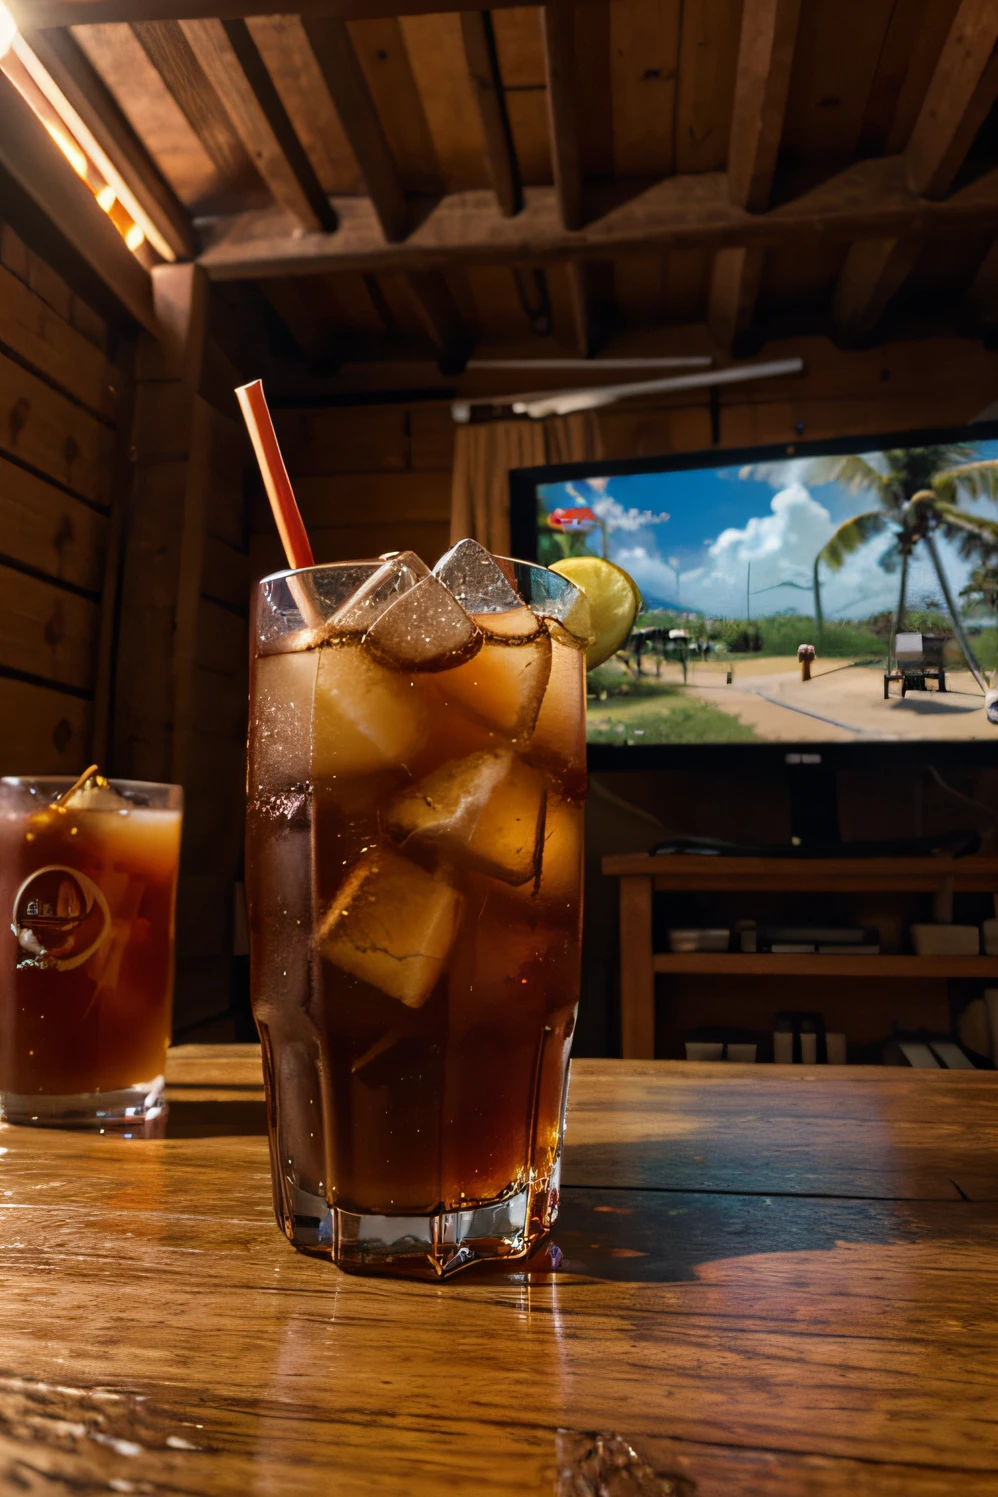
<point>826,596</point>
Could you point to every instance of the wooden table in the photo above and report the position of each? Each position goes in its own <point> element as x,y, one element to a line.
<point>776,1281</point>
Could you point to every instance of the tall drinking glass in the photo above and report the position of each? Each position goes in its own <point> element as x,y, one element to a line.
<point>88,884</point>
<point>414,853</point>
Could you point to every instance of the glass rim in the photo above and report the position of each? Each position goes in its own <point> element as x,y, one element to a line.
<point>170,795</point>
<point>376,561</point>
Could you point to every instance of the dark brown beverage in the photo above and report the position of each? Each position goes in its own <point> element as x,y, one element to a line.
<point>87,967</point>
<point>417,769</point>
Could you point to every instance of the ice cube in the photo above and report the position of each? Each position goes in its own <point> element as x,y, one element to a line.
<point>424,630</point>
<point>485,811</point>
<point>392,925</point>
<point>559,740</point>
<point>96,794</point>
<point>561,859</point>
<point>397,575</point>
<point>281,736</point>
<point>503,686</point>
<point>515,623</point>
<point>366,717</point>
<point>476,579</point>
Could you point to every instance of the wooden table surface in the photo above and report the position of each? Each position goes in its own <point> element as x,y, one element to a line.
<point>776,1281</point>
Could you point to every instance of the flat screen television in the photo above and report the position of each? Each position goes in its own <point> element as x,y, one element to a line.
<point>878,556</point>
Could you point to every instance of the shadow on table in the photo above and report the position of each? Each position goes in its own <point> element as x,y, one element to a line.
<point>647,1236</point>
<point>236,1119</point>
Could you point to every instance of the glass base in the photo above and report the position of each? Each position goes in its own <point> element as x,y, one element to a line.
<point>133,1111</point>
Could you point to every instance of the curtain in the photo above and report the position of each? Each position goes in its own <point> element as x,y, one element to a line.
<point>484,453</point>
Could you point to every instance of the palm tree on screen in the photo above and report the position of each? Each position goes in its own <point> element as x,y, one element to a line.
<point>917,496</point>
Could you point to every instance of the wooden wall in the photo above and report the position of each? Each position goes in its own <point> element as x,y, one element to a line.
<point>63,397</point>
<point>368,479</point>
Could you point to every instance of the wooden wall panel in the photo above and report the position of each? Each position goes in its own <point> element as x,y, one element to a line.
<point>42,428</point>
<point>45,630</point>
<point>34,332</point>
<point>44,731</point>
<point>45,528</point>
<point>59,395</point>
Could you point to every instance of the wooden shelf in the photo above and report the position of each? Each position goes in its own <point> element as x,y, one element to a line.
<point>799,875</point>
<point>808,964</point>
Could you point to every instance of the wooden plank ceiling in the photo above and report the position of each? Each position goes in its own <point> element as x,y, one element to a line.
<point>438,181</point>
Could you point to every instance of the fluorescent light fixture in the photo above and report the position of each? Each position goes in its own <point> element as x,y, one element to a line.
<point>8,30</point>
<point>134,237</point>
<point>540,403</point>
<point>76,127</point>
<point>683,361</point>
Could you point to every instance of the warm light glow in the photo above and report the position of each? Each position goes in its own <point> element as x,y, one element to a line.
<point>69,149</point>
<point>134,237</point>
<point>8,30</point>
<point>106,198</point>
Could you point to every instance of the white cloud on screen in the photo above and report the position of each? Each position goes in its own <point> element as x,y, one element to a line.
<point>781,547</point>
<point>614,514</point>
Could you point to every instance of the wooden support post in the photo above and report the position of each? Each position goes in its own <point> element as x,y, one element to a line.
<point>182,650</point>
<point>637,976</point>
<point>233,66</point>
<point>348,88</point>
<point>579,304</point>
<point>563,122</point>
<point>483,69</point>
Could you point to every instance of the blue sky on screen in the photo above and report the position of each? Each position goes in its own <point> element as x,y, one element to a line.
<point>688,537</point>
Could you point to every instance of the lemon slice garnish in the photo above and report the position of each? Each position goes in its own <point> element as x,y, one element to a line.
<point>613,599</point>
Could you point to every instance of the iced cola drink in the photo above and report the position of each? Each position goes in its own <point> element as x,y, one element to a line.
<point>414,847</point>
<point>87,885</point>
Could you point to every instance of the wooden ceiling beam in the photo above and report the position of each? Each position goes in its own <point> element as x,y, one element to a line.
<point>438,313</point>
<point>483,69</point>
<point>87,95</point>
<point>960,95</point>
<point>982,296</point>
<point>34,173</point>
<point>348,88</point>
<point>873,274</point>
<point>233,66</point>
<point>869,200</point>
<point>762,84</point>
<point>962,90</point>
<point>734,288</point>
<point>558,24</point>
<point>94,12</point>
<point>580,307</point>
<point>170,54</point>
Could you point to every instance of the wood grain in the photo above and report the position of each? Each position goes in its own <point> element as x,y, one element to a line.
<point>962,90</point>
<point>563,111</point>
<point>909,874</point>
<point>762,84</point>
<point>350,92</point>
<point>754,1345</point>
<point>234,68</point>
<point>36,333</point>
<point>483,70</point>
<point>34,164</point>
<point>637,979</point>
<point>42,527</point>
<point>52,434</point>
<point>92,101</point>
<point>866,200</point>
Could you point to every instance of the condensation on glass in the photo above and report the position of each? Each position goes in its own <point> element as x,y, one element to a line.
<point>414,853</point>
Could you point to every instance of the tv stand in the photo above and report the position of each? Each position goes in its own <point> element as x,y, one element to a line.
<point>640,874</point>
<point>814,802</point>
